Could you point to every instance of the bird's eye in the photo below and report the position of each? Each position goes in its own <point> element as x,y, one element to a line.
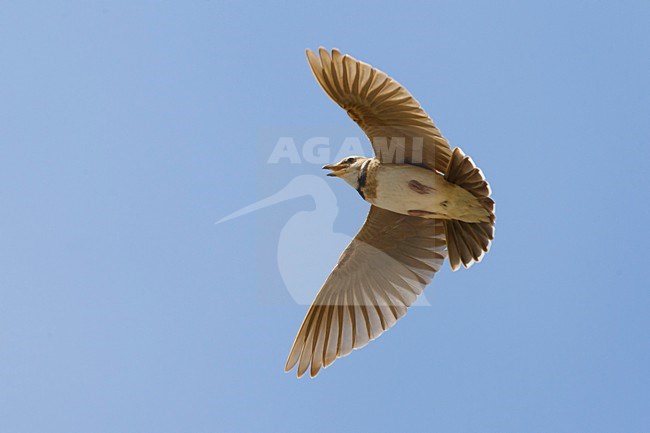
<point>349,160</point>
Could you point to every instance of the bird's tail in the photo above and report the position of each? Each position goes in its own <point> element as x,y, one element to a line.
<point>468,242</point>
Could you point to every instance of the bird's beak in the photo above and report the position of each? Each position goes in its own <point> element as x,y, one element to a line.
<point>336,169</point>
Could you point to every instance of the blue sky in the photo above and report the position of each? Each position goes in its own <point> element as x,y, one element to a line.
<point>129,128</point>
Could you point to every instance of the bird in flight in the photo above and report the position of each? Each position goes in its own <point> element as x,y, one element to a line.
<point>427,203</point>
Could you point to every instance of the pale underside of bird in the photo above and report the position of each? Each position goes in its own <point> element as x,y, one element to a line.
<point>427,203</point>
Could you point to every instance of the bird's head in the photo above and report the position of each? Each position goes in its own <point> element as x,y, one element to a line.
<point>347,169</point>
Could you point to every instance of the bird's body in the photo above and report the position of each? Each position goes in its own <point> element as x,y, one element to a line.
<point>416,191</point>
<point>423,210</point>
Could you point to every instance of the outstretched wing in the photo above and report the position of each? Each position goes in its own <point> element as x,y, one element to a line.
<point>378,276</point>
<point>393,119</point>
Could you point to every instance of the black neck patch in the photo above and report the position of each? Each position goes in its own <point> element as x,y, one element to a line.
<point>363,173</point>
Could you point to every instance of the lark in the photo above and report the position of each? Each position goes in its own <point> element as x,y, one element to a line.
<point>427,202</point>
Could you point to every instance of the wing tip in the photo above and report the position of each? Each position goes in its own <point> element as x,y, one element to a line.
<point>322,51</point>
<point>314,370</point>
<point>299,373</point>
<point>312,58</point>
